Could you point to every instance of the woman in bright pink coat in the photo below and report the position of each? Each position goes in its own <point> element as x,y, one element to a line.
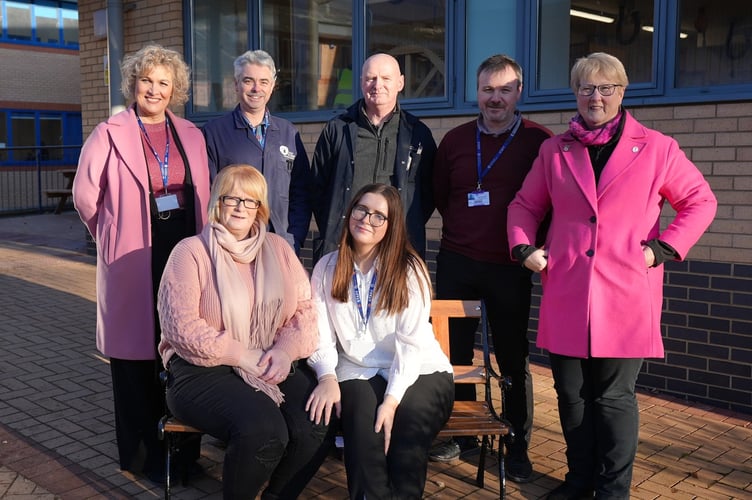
<point>142,185</point>
<point>604,181</point>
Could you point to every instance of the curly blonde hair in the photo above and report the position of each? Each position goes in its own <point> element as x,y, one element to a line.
<point>142,62</point>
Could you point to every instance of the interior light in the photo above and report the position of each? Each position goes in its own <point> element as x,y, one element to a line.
<point>650,29</point>
<point>592,17</point>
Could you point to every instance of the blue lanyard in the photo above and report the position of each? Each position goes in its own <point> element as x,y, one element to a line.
<point>356,291</point>
<point>483,173</point>
<point>163,165</point>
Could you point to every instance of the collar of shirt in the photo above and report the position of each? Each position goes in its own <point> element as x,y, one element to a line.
<point>366,122</point>
<point>484,130</point>
<point>264,124</point>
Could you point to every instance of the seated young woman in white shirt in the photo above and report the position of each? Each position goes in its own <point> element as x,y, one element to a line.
<point>378,363</point>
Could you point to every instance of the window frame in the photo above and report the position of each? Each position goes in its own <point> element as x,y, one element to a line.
<point>60,6</point>
<point>71,136</point>
<point>661,90</point>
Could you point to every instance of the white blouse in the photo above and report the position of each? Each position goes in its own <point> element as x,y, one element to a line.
<point>397,347</point>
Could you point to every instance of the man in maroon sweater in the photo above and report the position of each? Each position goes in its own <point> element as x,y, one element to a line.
<point>478,169</point>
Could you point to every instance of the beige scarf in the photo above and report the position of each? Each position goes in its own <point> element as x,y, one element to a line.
<point>253,325</point>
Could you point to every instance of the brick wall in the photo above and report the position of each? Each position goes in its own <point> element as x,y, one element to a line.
<point>39,78</point>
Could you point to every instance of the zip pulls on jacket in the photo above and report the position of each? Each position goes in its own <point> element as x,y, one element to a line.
<point>418,152</point>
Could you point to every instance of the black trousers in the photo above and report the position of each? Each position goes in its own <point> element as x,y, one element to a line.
<point>139,404</point>
<point>138,394</point>
<point>506,290</point>
<point>401,474</point>
<point>600,420</point>
<point>265,442</point>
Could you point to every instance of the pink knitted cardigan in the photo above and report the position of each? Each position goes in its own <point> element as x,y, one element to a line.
<point>191,316</point>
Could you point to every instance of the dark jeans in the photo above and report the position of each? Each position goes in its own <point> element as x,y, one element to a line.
<point>600,421</point>
<point>506,290</point>
<point>264,441</point>
<point>401,474</point>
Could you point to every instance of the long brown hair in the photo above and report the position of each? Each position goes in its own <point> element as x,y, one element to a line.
<point>395,255</point>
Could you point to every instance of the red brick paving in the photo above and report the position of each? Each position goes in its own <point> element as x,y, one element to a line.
<point>56,407</point>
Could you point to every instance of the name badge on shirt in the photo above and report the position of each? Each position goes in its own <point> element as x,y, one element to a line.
<point>478,199</point>
<point>167,202</point>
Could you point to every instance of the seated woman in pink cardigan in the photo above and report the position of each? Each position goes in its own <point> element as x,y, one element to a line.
<point>236,313</point>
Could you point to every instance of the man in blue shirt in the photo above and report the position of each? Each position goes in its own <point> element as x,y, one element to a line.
<point>251,135</point>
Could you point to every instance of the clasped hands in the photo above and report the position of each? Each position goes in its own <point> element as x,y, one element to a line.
<point>272,366</point>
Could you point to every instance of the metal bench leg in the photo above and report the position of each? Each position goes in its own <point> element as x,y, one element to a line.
<point>168,464</point>
<point>502,472</point>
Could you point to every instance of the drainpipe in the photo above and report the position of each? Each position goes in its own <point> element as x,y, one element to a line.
<point>115,53</point>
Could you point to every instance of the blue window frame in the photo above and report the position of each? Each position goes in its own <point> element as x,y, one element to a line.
<point>674,51</point>
<point>56,136</point>
<point>46,23</point>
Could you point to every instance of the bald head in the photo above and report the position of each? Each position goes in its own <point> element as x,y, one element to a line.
<point>381,82</point>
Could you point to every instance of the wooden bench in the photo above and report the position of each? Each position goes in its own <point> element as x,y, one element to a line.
<point>63,194</point>
<point>469,418</point>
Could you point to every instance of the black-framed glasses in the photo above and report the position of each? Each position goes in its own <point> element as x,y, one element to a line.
<point>234,201</point>
<point>604,90</point>
<point>359,213</point>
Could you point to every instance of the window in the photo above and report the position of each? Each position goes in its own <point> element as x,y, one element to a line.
<point>594,26</point>
<point>51,135</point>
<point>413,31</point>
<point>714,45</point>
<point>55,136</point>
<point>47,29</point>
<point>499,18</point>
<point>314,48</point>
<point>23,132</point>
<point>18,21</point>
<point>215,46</point>
<point>46,23</point>
<point>312,51</point>
<point>674,51</point>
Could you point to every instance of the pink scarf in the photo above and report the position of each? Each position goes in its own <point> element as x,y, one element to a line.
<point>253,325</point>
<point>594,137</point>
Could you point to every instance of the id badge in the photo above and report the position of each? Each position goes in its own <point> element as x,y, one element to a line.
<point>167,202</point>
<point>478,199</point>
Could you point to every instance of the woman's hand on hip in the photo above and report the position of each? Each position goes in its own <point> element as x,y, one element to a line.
<point>275,366</point>
<point>649,255</point>
<point>385,418</point>
<point>537,261</point>
<point>325,396</point>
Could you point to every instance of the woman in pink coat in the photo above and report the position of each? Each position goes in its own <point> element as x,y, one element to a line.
<point>142,185</point>
<point>604,181</point>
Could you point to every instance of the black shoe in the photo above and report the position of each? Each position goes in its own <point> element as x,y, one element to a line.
<point>468,445</point>
<point>446,451</point>
<point>157,477</point>
<point>519,468</point>
<point>566,491</point>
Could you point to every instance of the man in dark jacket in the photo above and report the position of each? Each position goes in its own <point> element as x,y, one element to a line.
<point>251,135</point>
<point>373,141</point>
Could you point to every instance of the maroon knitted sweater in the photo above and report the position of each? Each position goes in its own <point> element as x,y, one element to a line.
<point>480,232</point>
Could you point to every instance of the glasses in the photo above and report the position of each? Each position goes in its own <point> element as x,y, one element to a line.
<point>604,90</point>
<point>359,213</point>
<point>234,201</point>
